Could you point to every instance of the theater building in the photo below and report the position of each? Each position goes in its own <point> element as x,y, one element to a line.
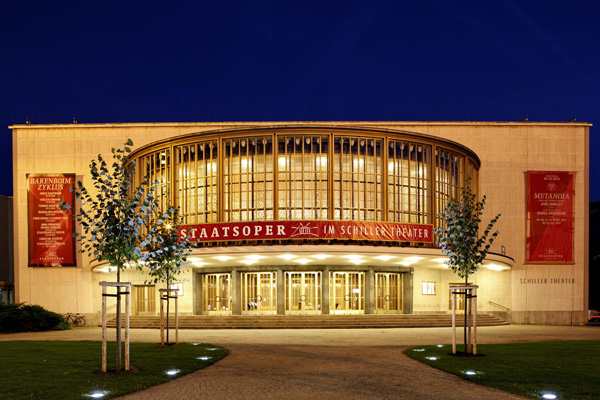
<point>320,217</point>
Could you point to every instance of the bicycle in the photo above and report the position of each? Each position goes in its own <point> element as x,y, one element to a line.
<point>76,319</point>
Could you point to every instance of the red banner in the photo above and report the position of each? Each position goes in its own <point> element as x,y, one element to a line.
<point>51,242</point>
<point>278,230</point>
<point>550,215</point>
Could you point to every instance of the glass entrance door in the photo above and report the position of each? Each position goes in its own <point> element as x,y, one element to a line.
<point>460,300</point>
<point>347,293</point>
<point>145,300</point>
<point>303,292</point>
<point>259,293</point>
<point>216,294</point>
<point>388,290</point>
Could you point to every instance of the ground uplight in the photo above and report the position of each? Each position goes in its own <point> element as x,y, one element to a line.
<point>549,396</point>
<point>97,395</point>
<point>172,372</point>
<point>203,358</point>
<point>432,358</point>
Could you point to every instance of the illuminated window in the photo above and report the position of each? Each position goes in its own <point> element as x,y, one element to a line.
<point>197,176</point>
<point>302,177</point>
<point>358,175</point>
<point>448,176</point>
<point>429,288</point>
<point>408,182</point>
<point>157,168</point>
<point>248,179</point>
<point>178,287</point>
<point>312,174</point>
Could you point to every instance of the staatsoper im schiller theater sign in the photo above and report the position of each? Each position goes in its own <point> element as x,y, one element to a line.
<point>278,230</point>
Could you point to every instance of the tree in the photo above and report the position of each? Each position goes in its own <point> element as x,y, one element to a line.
<point>458,236</point>
<point>166,251</point>
<point>111,222</point>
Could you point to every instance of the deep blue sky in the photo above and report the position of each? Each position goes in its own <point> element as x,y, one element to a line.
<point>127,61</point>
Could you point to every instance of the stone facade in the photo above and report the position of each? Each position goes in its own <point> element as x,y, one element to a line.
<point>523,293</point>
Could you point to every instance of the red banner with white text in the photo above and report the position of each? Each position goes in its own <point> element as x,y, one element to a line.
<point>550,216</point>
<point>279,230</point>
<point>51,242</point>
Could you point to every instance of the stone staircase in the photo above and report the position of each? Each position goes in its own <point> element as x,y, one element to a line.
<point>371,321</point>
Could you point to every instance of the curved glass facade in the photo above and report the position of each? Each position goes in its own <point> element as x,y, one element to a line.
<point>307,174</point>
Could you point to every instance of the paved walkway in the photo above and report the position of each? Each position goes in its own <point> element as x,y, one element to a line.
<point>325,364</point>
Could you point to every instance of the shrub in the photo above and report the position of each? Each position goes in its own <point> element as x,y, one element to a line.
<point>29,318</point>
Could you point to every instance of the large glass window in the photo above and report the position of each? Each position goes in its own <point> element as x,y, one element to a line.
<point>248,179</point>
<point>197,167</point>
<point>157,167</point>
<point>357,167</point>
<point>408,182</point>
<point>302,177</point>
<point>308,175</point>
<point>449,168</point>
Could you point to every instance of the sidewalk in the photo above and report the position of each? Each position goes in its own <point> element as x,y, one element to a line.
<point>324,364</point>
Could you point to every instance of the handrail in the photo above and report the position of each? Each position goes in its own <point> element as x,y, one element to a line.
<point>499,305</point>
<point>107,308</point>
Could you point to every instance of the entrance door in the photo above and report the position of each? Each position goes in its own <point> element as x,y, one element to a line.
<point>145,300</point>
<point>303,293</point>
<point>216,294</point>
<point>388,290</point>
<point>259,293</point>
<point>347,292</point>
<point>460,300</point>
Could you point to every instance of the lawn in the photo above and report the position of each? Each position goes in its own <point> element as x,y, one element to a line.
<point>69,370</point>
<point>566,369</point>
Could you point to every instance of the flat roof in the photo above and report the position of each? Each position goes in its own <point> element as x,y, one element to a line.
<point>295,123</point>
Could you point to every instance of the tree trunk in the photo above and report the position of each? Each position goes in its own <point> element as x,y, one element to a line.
<point>168,297</point>
<point>466,313</point>
<point>118,327</point>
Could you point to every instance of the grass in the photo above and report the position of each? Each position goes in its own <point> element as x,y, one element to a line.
<point>568,369</point>
<point>68,370</point>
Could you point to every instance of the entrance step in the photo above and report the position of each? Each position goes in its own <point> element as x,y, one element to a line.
<point>370,321</point>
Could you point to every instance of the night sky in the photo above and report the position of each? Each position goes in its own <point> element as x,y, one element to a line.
<point>324,60</point>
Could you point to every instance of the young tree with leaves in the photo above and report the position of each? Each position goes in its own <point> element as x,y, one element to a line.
<point>458,236</point>
<point>166,252</point>
<point>111,222</point>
